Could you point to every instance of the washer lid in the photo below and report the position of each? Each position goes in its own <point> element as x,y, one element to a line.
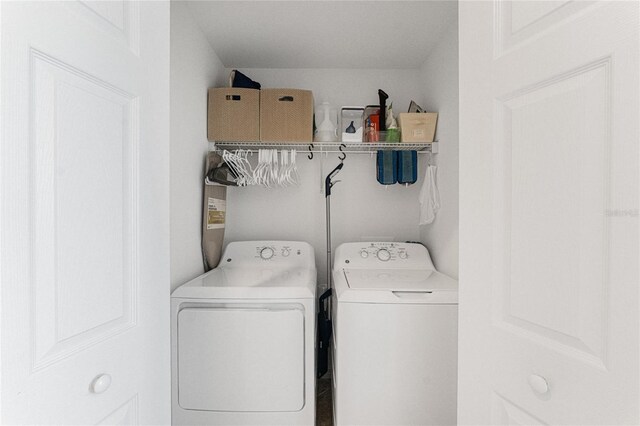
<point>395,286</point>
<point>390,279</point>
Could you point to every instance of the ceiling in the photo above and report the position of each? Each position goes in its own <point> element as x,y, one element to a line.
<point>323,33</point>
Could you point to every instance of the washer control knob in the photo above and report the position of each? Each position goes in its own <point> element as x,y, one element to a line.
<point>266,253</point>
<point>286,252</point>
<point>403,255</point>
<point>364,254</point>
<point>383,255</point>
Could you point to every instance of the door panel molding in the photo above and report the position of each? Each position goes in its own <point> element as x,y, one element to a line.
<point>119,19</point>
<point>519,22</point>
<point>505,412</point>
<point>125,415</point>
<point>570,206</point>
<point>63,97</point>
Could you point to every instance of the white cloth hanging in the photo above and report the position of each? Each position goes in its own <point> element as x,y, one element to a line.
<point>429,196</point>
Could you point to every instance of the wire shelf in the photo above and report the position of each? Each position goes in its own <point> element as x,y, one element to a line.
<point>328,147</point>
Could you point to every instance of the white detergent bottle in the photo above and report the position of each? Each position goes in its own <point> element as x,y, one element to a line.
<point>327,130</point>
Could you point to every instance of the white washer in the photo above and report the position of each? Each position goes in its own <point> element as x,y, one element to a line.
<point>395,337</point>
<point>243,338</point>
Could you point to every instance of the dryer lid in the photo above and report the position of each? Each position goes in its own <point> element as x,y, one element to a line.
<point>251,283</point>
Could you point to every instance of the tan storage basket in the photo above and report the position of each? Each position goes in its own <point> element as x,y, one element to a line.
<point>417,127</point>
<point>233,114</point>
<point>286,115</point>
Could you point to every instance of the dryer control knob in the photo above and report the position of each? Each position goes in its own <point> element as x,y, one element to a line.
<point>364,254</point>
<point>383,254</point>
<point>403,255</point>
<point>266,253</point>
<point>286,252</point>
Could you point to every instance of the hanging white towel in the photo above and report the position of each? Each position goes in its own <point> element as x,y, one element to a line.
<point>429,197</point>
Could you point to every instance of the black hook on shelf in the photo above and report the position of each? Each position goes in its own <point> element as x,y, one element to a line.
<point>310,156</point>
<point>344,154</point>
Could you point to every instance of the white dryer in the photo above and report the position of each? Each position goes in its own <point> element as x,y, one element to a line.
<point>243,338</point>
<point>395,337</point>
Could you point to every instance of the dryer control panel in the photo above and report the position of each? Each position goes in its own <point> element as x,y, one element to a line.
<point>290,254</point>
<point>383,254</point>
<point>275,250</point>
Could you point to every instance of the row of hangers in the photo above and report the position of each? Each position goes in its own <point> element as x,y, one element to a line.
<point>274,168</point>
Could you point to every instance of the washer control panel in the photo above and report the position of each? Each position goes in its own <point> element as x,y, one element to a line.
<point>384,252</point>
<point>382,255</point>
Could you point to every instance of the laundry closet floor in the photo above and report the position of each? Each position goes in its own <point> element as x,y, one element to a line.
<point>324,404</point>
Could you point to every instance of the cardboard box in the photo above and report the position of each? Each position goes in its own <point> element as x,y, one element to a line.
<point>286,115</point>
<point>233,114</point>
<point>417,126</point>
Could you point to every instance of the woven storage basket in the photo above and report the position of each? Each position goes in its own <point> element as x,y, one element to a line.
<point>233,114</point>
<point>286,115</point>
<point>418,127</point>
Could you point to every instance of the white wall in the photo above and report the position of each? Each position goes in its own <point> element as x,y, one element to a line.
<point>345,86</point>
<point>439,78</point>
<point>194,68</point>
<point>361,208</point>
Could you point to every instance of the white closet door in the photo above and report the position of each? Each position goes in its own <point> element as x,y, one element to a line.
<point>84,166</point>
<point>549,155</point>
